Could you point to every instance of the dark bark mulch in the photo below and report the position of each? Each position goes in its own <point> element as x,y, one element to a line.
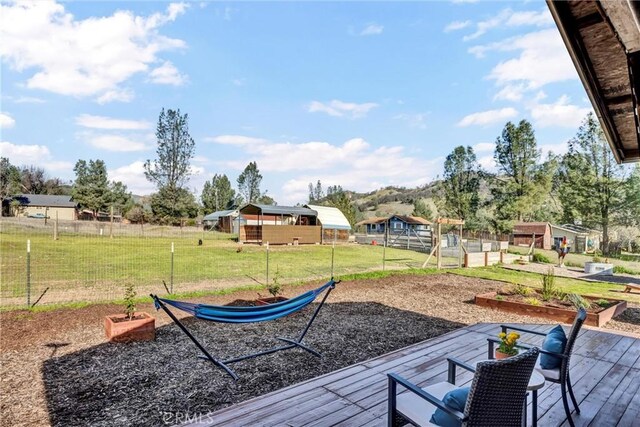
<point>143,383</point>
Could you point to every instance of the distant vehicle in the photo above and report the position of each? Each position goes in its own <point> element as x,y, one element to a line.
<point>37,215</point>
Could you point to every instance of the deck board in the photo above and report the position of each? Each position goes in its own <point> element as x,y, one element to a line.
<point>605,372</point>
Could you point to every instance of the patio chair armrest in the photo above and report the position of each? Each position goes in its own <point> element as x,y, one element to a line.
<point>519,329</point>
<point>451,375</point>
<point>396,379</point>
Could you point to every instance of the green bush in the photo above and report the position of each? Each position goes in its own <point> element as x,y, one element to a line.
<point>603,303</point>
<point>624,270</point>
<point>499,298</point>
<point>549,289</point>
<point>522,290</point>
<point>533,301</point>
<point>129,300</point>
<point>541,258</point>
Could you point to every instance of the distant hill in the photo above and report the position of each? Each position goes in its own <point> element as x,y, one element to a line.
<point>392,200</point>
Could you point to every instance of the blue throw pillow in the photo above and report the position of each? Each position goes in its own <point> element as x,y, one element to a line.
<point>555,342</point>
<point>455,399</point>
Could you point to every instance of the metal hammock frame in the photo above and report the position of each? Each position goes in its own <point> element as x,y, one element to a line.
<point>227,314</point>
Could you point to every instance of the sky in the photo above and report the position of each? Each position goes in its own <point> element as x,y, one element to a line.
<point>358,94</point>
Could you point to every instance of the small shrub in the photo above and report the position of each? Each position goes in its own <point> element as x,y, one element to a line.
<point>533,301</point>
<point>596,258</point>
<point>129,300</point>
<point>538,257</point>
<point>522,290</point>
<point>549,289</point>
<point>275,288</point>
<point>620,269</point>
<point>499,298</point>
<point>603,303</point>
<point>577,301</point>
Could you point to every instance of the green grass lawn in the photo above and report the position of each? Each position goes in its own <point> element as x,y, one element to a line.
<point>104,264</point>
<point>534,280</point>
<point>578,260</point>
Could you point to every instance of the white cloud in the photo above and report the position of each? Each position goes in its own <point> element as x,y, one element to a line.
<point>414,120</point>
<point>167,74</point>
<point>510,92</point>
<point>558,149</point>
<point>25,100</point>
<point>132,176</point>
<point>32,155</point>
<point>509,18</point>
<point>543,59</point>
<point>101,122</point>
<point>90,57</point>
<point>337,108</point>
<point>372,29</point>
<point>488,163</point>
<point>488,117</point>
<point>456,25</point>
<point>239,82</point>
<point>484,147</point>
<point>235,140</point>
<point>116,143</point>
<point>559,113</point>
<point>6,121</point>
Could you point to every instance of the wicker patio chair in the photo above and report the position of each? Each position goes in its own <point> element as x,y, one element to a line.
<point>497,394</point>
<point>558,375</point>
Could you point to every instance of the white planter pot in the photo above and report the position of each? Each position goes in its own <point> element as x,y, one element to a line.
<point>598,268</point>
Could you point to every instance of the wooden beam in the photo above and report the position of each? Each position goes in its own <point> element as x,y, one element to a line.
<point>589,20</point>
<point>450,221</point>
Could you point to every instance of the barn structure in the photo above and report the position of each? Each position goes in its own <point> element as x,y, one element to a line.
<point>524,233</point>
<point>278,225</point>
<point>223,221</point>
<point>335,226</point>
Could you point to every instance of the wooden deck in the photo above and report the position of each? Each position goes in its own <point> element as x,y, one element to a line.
<point>605,371</point>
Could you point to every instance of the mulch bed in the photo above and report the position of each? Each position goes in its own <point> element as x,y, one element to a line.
<point>57,368</point>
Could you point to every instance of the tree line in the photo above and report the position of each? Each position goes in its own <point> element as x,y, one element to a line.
<point>584,186</point>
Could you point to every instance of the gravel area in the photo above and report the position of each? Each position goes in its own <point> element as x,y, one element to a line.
<point>56,368</point>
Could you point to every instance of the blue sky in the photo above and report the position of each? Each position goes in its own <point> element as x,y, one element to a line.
<point>357,94</point>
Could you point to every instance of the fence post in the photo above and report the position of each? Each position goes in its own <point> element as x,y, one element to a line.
<point>333,250</point>
<point>384,253</point>
<point>267,282</point>
<point>172,267</point>
<point>55,228</point>
<point>28,273</point>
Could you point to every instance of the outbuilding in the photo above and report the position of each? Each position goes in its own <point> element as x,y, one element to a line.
<point>278,225</point>
<point>580,239</point>
<point>335,226</point>
<point>223,221</point>
<point>524,233</point>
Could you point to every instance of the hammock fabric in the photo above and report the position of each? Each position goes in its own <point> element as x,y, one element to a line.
<point>230,314</point>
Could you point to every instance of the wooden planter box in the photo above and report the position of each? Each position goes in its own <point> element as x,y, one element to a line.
<point>119,330</point>
<point>560,314</point>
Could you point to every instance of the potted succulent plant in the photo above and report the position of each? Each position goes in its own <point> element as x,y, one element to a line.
<point>131,325</point>
<point>507,346</point>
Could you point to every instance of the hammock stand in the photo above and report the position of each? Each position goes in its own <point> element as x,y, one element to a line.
<point>230,314</point>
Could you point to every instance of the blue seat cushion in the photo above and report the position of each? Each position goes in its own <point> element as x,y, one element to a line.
<point>455,399</point>
<point>554,342</point>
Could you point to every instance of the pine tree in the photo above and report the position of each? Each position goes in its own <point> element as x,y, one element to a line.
<point>217,194</point>
<point>249,183</point>
<point>9,179</point>
<point>459,191</point>
<point>91,188</point>
<point>593,185</point>
<point>420,209</point>
<point>171,169</point>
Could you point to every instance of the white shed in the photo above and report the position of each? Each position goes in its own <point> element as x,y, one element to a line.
<point>335,226</point>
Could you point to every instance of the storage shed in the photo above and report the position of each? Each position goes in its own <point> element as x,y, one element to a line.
<point>580,239</point>
<point>525,232</point>
<point>278,225</point>
<point>224,221</point>
<point>335,226</point>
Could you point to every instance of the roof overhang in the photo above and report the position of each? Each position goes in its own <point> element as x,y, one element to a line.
<point>603,39</point>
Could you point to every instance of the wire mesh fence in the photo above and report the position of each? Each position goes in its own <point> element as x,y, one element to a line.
<point>78,261</point>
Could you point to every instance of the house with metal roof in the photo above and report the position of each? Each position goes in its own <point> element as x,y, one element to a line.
<point>335,226</point>
<point>223,221</point>
<point>43,206</point>
<point>580,239</point>
<point>278,225</point>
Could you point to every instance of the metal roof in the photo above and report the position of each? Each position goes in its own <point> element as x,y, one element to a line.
<point>45,200</point>
<point>539,228</point>
<point>331,217</point>
<point>219,214</point>
<point>254,208</point>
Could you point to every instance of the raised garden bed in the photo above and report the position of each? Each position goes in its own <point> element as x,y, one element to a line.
<point>554,309</point>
